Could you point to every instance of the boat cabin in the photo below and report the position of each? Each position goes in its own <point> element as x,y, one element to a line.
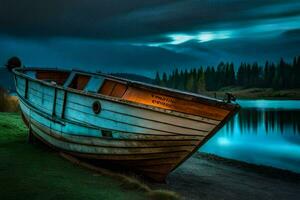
<point>81,81</point>
<point>135,92</point>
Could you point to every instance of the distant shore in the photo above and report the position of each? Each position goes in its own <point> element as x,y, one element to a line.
<point>256,93</point>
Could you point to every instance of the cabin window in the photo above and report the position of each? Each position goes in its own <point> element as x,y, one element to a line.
<point>107,87</point>
<point>112,88</point>
<point>94,84</point>
<point>79,81</point>
<point>119,90</point>
<point>52,76</point>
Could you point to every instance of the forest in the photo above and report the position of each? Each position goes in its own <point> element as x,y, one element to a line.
<point>281,75</point>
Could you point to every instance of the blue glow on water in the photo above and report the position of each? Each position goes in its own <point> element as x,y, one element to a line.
<point>265,132</point>
<point>270,104</point>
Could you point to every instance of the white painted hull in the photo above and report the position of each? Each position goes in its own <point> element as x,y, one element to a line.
<point>153,141</point>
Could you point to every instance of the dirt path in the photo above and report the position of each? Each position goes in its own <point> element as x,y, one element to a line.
<point>207,177</point>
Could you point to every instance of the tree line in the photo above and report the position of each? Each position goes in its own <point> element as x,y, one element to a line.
<point>282,75</point>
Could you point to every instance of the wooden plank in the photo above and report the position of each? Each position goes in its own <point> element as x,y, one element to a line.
<point>85,104</point>
<point>106,119</point>
<point>119,157</point>
<point>171,103</point>
<point>107,150</point>
<point>119,90</point>
<point>121,116</point>
<point>137,157</point>
<point>107,87</point>
<point>114,142</point>
<point>121,133</point>
<point>94,134</point>
<point>149,162</point>
<point>126,126</point>
<point>134,111</point>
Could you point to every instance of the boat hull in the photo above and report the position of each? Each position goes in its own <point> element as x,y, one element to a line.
<point>153,158</point>
<point>147,139</point>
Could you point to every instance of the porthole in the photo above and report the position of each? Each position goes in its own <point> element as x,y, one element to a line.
<point>97,107</point>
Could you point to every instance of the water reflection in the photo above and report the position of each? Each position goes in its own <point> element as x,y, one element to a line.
<point>264,132</point>
<point>250,120</point>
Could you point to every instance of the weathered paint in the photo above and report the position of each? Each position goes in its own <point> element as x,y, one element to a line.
<point>64,119</point>
<point>172,103</point>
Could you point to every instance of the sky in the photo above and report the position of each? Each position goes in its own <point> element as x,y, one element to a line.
<point>143,37</point>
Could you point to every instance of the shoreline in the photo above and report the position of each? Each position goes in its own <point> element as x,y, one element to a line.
<point>262,169</point>
<point>256,93</point>
<point>206,176</point>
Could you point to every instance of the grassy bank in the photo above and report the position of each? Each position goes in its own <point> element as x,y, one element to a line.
<point>256,93</point>
<point>36,172</point>
<point>8,103</point>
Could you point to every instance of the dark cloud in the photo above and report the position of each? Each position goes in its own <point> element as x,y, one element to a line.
<point>239,50</point>
<point>73,18</point>
<point>136,35</point>
<point>191,15</point>
<point>295,33</point>
<point>92,55</point>
<point>112,19</point>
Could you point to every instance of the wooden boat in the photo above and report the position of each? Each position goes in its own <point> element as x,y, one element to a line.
<point>95,116</point>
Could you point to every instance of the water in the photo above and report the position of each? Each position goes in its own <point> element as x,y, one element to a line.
<point>265,132</point>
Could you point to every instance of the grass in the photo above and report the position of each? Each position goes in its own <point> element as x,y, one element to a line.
<point>36,172</point>
<point>8,103</point>
<point>128,182</point>
<point>162,195</point>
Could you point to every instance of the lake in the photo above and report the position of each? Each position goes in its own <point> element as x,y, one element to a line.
<point>265,132</point>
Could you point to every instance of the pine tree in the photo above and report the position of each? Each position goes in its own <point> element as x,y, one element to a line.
<point>164,80</point>
<point>200,81</point>
<point>280,76</point>
<point>157,80</point>
<point>194,77</point>
<point>231,74</point>
<point>272,76</point>
<point>266,75</point>
<point>181,81</point>
<point>185,79</point>
<point>297,70</point>
<point>176,79</point>
<point>293,78</point>
<point>190,82</point>
<point>208,79</point>
<point>241,75</point>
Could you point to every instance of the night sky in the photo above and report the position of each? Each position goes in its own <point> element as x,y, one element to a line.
<point>145,36</point>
